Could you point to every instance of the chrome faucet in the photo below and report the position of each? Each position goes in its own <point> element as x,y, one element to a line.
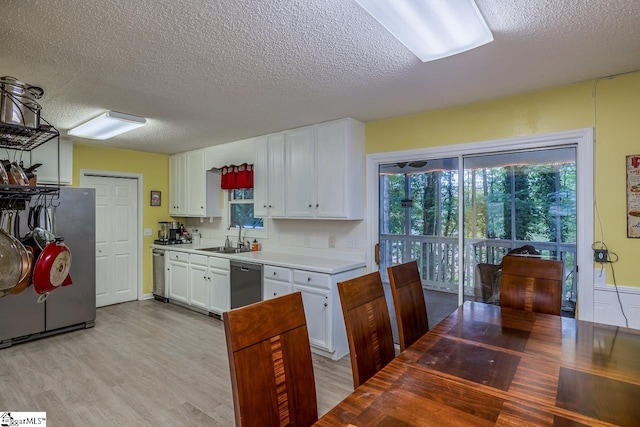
<point>240,242</point>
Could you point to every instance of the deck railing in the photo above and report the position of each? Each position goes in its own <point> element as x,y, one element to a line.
<point>439,257</point>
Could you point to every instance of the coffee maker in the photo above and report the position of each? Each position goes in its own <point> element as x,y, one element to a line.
<point>169,233</point>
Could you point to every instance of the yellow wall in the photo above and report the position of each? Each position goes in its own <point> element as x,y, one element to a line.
<point>154,169</point>
<point>617,131</point>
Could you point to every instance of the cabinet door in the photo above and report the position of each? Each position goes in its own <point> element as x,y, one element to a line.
<point>274,289</point>
<point>196,187</point>
<point>261,179</point>
<point>198,286</point>
<point>220,290</point>
<point>268,176</point>
<point>300,172</point>
<point>318,313</point>
<point>177,180</point>
<point>332,168</point>
<point>179,281</point>
<point>340,173</point>
<point>51,156</point>
<point>277,175</point>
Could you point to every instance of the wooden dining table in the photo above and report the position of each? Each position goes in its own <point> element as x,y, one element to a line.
<point>491,365</point>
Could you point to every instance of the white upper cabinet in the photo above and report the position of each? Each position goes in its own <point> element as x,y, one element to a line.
<point>203,187</point>
<point>300,172</point>
<point>194,191</point>
<point>325,171</point>
<point>269,176</point>
<point>340,169</point>
<point>196,185</point>
<point>177,184</point>
<point>51,158</point>
<point>314,172</point>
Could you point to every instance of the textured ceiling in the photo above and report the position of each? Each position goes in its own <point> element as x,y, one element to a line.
<point>207,72</point>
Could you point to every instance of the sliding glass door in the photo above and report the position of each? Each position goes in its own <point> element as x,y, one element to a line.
<point>521,201</point>
<point>419,219</point>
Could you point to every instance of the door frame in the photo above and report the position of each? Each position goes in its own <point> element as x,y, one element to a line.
<point>585,146</point>
<point>139,221</point>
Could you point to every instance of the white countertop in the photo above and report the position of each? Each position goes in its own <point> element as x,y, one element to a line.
<point>303,262</point>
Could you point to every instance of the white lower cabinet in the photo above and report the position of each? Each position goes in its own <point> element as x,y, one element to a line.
<point>277,282</point>
<point>203,283</point>
<point>317,310</point>
<point>199,281</point>
<point>325,323</point>
<point>220,285</point>
<point>178,274</point>
<point>316,297</point>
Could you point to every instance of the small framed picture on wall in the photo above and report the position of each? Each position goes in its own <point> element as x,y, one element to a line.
<point>156,198</point>
<point>633,196</point>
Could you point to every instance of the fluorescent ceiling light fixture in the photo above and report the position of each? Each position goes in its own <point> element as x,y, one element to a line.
<point>432,29</point>
<point>107,125</point>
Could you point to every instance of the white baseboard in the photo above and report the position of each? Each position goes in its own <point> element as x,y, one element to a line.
<point>146,296</point>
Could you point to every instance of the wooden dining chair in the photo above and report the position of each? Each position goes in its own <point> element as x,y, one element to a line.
<point>366,318</point>
<point>531,284</point>
<point>272,376</point>
<point>408,301</point>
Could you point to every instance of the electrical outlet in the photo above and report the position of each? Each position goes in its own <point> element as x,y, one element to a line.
<point>332,241</point>
<point>600,255</point>
<point>148,232</point>
<point>599,276</point>
<point>307,239</point>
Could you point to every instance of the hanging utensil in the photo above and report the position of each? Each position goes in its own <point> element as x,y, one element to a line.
<point>31,175</point>
<point>10,265</point>
<point>4,178</point>
<point>17,175</point>
<point>27,266</point>
<point>14,257</point>
<point>52,267</point>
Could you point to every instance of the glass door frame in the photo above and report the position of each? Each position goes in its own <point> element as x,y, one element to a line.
<point>582,139</point>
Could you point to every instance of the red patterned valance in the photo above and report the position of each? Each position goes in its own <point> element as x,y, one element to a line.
<point>236,177</point>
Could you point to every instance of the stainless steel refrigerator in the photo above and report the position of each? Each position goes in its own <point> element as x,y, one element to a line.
<point>67,308</point>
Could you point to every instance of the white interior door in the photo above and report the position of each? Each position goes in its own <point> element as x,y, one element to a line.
<point>116,233</point>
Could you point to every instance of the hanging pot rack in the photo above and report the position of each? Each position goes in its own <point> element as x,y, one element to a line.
<point>22,138</point>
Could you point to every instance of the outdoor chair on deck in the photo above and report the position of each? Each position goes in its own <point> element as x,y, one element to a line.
<point>368,325</point>
<point>272,376</point>
<point>408,300</point>
<point>531,284</point>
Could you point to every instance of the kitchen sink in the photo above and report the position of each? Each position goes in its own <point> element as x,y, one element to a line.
<point>223,250</point>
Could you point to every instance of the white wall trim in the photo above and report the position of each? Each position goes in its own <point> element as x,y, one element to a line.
<point>139,179</point>
<point>607,307</point>
<point>581,138</point>
<point>146,296</point>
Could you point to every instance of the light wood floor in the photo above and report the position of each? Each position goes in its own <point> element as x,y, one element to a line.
<point>143,364</point>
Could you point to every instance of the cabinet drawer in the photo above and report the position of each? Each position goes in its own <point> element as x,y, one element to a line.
<point>273,289</point>
<point>310,278</point>
<point>178,256</point>
<point>277,273</point>
<point>202,260</point>
<point>220,263</point>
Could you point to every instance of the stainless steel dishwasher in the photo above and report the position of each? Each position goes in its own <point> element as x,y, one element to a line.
<point>159,289</point>
<point>246,283</point>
